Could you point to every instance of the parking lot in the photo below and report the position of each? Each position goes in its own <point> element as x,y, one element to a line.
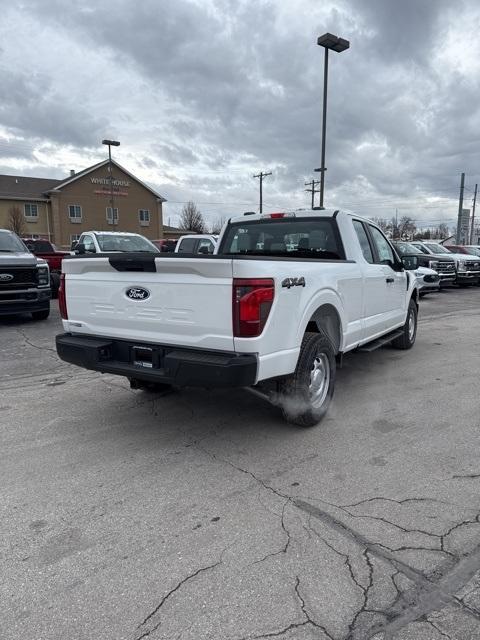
<point>202,515</point>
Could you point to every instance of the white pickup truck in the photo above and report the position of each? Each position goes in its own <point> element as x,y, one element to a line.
<point>282,299</point>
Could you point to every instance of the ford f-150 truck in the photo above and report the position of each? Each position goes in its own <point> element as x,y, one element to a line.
<point>283,298</point>
<point>24,279</point>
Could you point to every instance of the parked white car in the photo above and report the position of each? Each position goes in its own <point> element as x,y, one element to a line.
<point>277,318</point>
<point>112,241</point>
<point>428,280</point>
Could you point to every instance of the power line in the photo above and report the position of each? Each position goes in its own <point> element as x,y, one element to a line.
<point>262,175</point>
<point>312,189</point>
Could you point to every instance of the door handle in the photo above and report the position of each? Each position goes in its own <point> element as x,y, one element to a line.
<point>390,280</point>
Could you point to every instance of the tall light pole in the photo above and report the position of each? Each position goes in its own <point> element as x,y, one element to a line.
<point>327,41</point>
<point>111,143</point>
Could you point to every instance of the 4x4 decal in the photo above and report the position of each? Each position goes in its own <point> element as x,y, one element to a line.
<point>293,282</point>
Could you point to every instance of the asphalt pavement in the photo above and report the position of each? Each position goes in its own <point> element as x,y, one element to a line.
<point>202,515</point>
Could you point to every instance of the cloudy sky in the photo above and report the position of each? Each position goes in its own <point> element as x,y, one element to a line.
<point>203,94</point>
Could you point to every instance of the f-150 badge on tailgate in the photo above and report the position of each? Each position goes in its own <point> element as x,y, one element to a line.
<point>137,293</point>
<point>293,282</point>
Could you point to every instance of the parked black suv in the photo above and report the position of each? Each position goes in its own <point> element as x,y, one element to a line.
<point>443,265</point>
<point>24,279</point>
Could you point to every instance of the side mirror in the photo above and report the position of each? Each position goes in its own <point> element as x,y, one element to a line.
<point>80,248</point>
<point>410,262</point>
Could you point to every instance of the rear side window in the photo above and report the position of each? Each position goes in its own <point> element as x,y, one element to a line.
<point>187,245</point>
<point>288,237</point>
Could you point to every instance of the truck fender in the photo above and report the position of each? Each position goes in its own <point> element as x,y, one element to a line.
<point>324,313</point>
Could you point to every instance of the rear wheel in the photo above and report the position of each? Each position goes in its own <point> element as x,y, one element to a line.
<point>409,330</point>
<point>305,395</point>
<point>41,315</point>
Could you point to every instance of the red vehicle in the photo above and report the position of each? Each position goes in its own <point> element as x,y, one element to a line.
<point>165,245</point>
<point>49,252</point>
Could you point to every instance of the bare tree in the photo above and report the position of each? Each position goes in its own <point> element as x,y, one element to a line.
<point>191,218</point>
<point>406,227</point>
<point>443,230</point>
<point>382,223</point>
<point>16,221</point>
<point>217,225</point>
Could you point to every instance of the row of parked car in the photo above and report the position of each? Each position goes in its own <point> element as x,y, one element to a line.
<point>107,241</point>
<point>438,265</point>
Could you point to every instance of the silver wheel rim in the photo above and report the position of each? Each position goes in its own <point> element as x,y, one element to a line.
<point>411,325</point>
<point>319,380</point>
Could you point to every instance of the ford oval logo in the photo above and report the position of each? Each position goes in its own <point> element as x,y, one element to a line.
<point>137,293</point>
<point>6,277</point>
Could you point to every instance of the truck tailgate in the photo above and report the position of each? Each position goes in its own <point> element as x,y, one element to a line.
<point>188,300</point>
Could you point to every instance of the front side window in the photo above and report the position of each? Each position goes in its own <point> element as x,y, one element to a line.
<point>89,244</point>
<point>384,250</point>
<point>31,210</point>
<point>112,215</point>
<point>364,241</point>
<point>75,212</point>
<point>144,216</point>
<point>74,237</point>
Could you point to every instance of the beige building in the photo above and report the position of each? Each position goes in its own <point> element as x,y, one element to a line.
<point>60,210</point>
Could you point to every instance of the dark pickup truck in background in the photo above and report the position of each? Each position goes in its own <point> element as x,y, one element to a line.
<point>443,265</point>
<point>24,279</point>
<point>49,252</point>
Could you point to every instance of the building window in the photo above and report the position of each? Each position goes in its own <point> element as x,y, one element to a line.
<point>75,212</point>
<point>31,212</point>
<point>112,215</point>
<point>144,217</point>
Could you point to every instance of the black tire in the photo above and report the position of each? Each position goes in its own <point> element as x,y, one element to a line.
<point>54,284</point>
<point>295,392</point>
<point>409,332</point>
<point>41,315</point>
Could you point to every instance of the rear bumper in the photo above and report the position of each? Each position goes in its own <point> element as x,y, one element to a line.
<point>159,363</point>
<point>24,301</point>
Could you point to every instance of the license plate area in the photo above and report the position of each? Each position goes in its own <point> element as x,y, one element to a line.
<point>144,357</point>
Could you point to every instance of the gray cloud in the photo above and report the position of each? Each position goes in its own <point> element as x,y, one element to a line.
<point>239,84</point>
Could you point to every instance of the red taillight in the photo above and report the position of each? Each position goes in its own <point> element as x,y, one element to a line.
<point>62,300</point>
<point>277,215</point>
<point>251,304</point>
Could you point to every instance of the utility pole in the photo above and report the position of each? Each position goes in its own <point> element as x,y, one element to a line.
<point>396,222</point>
<point>473,215</point>
<point>460,207</point>
<point>312,189</point>
<point>262,175</point>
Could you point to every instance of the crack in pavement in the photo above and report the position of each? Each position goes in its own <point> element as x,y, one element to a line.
<point>428,594</point>
<point>168,595</point>
<point>35,346</point>
<point>284,549</point>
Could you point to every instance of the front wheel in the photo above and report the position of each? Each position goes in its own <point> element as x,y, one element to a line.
<point>409,329</point>
<point>305,395</point>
